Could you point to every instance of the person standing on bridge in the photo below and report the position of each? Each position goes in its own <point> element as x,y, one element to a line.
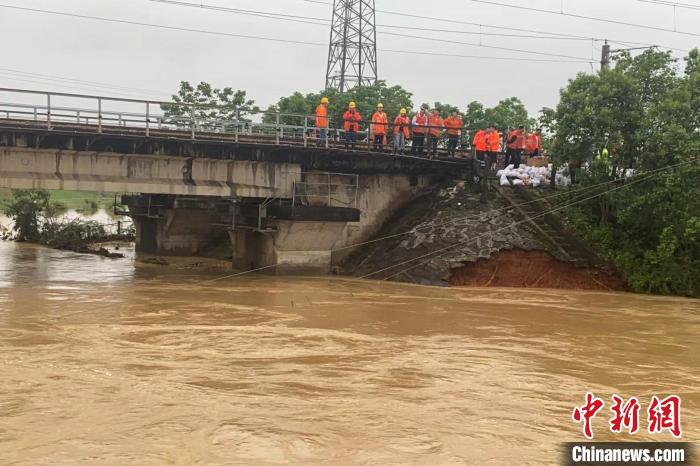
<point>352,125</point>
<point>419,124</point>
<point>511,140</point>
<point>534,143</point>
<point>479,145</point>
<point>322,122</point>
<point>380,125</point>
<point>494,146</point>
<point>519,146</point>
<point>401,133</point>
<point>436,124</point>
<point>454,128</point>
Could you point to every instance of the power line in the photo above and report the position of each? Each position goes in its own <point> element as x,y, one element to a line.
<point>590,18</point>
<point>325,22</point>
<point>269,39</point>
<point>671,4</point>
<point>96,84</point>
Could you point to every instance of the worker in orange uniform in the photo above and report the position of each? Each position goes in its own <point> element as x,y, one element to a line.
<point>494,146</point>
<point>401,134</point>
<point>435,124</point>
<point>419,125</point>
<point>454,128</point>
<point>480,146</point>
<point>380,126</point>
<point>322,122</point>
<point>534,143</point>
<point>352,125</point>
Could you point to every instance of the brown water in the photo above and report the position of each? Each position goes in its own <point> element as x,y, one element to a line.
<point>104,362</point>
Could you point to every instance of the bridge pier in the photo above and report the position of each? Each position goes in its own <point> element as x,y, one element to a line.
<point>287,236</point>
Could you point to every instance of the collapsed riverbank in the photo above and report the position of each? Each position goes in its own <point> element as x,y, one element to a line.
<point>448,238</point>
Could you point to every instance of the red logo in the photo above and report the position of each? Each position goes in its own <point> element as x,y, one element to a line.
<point>662,415</point>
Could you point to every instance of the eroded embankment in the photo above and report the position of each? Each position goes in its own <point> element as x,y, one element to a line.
<point>533,269</point>
<point>450,238</point>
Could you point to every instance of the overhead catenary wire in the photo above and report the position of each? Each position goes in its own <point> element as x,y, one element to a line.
<point>589,18</point>
<point>636,179</point>
<point>554,35</point>
<point>274,39</point>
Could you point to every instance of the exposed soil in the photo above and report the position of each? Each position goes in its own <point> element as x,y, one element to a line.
<point>533,269</point>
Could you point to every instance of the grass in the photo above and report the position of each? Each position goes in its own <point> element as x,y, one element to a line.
<point>71,200</point>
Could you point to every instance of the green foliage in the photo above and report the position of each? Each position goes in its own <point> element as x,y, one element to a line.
<point>72,233</point>
<point>394,99</point>
<point>216,104</point>
<point>648,115</point>
<point>28,210</point>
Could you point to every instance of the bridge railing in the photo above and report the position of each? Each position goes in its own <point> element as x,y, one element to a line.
<point>99,114</point>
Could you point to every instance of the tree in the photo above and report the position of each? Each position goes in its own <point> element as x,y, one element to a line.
<point>28,209</point>
<point>208,104</point>
<point>647,114</point>
<point>366,98</point>
<point>508,113</point>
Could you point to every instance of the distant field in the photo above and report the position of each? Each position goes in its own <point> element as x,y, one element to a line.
<point>72,200</point>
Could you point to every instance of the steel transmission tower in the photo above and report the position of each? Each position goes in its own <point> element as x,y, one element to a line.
<point>352,54</point>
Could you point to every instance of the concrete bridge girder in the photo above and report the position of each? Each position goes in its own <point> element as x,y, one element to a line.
<point>25,168</point>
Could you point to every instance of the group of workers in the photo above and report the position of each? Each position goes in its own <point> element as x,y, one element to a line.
<point>424,131</point>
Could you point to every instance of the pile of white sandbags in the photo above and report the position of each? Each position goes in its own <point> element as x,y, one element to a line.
<point>531,176</point>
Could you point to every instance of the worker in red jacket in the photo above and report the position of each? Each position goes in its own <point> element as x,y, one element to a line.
<point>534,143</point>
<point>519,146</point>
<point>454,124</point>
<point>352,125</point>
<point>401,134</point>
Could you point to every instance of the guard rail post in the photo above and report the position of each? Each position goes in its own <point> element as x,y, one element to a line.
<point>48,110</point>
<point>148,119</point>
<point>99,115</point>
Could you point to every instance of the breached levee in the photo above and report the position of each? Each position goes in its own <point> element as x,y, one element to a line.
<point>449,238</point>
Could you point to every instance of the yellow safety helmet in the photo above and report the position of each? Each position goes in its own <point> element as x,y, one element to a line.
<point>380,105</point>
<point>352,105</point>
<point>403,111</point>
<point>324,100</point>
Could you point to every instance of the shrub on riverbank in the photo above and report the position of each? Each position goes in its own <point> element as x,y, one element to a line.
<point>35,220</point>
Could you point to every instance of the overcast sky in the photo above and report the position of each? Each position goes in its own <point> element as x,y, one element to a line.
<point>152,61</point>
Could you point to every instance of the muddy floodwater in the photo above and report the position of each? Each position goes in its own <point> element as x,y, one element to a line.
<point>107,362</point>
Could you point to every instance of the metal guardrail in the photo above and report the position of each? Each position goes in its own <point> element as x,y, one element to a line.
<point>96,117</point>
<point>326,189</point>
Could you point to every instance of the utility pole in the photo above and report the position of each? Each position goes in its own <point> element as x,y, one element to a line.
<point>352,51</point>
<point>605,58</point>
<point>607,52</point>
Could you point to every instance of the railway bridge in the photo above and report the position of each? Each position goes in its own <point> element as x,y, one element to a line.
<point>191,183</point>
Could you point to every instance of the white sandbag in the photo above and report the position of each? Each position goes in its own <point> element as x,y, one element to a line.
<point>504,181</point>
<point>518,182</point>
<point>500,173</point>
<point>535,182</point>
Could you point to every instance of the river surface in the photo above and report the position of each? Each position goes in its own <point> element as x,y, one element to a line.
<point>107,362</point>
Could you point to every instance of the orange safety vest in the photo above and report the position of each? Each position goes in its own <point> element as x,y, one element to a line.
<point>519,139</point>
<point>511,140</point>
<point>352,121</point>
<point>453,125</point>
<point>494,142</point>
<point>421,123</point>
<point>534,142</point>
<point>401,124</point>
<point>479,141</point>
<point>379,123</point>
<point>321,116</point>
<point>436,124</point>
